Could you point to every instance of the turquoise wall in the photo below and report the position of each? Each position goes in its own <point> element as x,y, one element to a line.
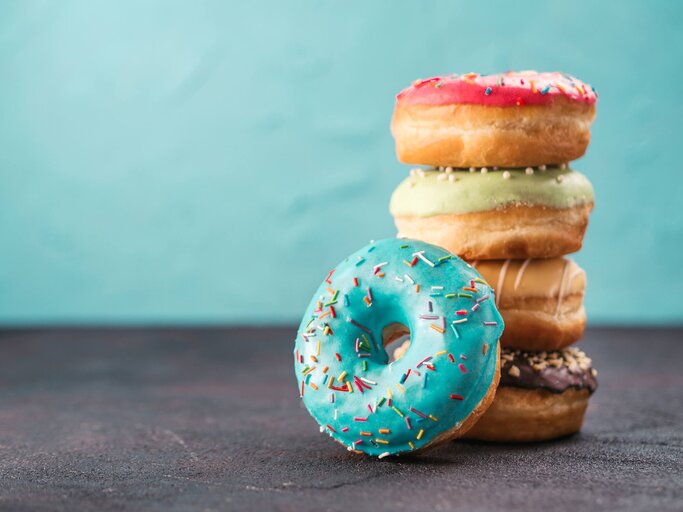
<point>173,162</point>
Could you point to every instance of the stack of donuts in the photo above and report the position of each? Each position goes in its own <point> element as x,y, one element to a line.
<point>497,190</point>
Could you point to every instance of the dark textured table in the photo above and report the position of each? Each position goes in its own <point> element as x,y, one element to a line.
<point>210,419</point>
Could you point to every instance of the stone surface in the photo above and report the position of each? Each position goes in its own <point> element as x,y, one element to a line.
<point>210,419</point>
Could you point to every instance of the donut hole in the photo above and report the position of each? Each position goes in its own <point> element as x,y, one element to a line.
<point>396,340</point>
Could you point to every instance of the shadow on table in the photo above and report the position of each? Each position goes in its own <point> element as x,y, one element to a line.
<point>463,450</point>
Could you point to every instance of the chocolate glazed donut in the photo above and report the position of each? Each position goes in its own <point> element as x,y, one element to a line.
<point>542,396</point>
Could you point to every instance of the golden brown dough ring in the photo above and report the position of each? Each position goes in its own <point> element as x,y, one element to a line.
<point>515,231</point>
<point>523,415</point>
<point>476,135</point>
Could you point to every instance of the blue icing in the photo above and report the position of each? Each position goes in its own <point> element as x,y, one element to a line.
<point>339,324</point>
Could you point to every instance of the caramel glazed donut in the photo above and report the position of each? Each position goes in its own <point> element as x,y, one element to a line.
<point>541,396</point>
<point>511,119</point>
<point>488,214</point>
<point>541,301</point>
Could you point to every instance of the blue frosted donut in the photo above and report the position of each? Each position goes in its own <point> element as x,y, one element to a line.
<point>446,378</point>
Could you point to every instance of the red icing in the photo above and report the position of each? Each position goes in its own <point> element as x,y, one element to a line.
<point>509,89</point>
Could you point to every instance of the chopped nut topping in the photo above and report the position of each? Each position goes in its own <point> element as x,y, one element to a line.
<point>571,358</point>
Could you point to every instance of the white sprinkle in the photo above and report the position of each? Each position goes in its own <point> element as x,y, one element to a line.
<point>380,265</point>
<point>421,255</point>
<point>335,414</point>
<point>398,279</point>
<point>437,287</point>
<point>452,178</point>
<point>409,279</point>
<point>368,381</point>
<point>506,175</point>
<point>461,321</point>
<point>529,170</point>
<point>385,454</point>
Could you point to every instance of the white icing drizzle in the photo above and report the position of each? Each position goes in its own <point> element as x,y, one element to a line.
<point>560,295</point>
<point>501,280</point>
<point>520,273</point>
<point>576,273</point>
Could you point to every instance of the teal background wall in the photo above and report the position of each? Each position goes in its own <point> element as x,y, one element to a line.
<point>189,162</point>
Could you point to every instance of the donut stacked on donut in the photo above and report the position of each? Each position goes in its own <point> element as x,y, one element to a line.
<point>513,119</point>
<point>498,191</point>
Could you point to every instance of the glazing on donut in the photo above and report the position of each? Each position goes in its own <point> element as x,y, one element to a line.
<point>554,371</point>
<point>509,89</point>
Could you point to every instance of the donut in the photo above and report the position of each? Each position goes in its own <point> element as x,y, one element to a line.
<point>541,301</point>
<point>542,396</point>
<point>513,119</point>
<point>495,214</point>
<point>445,380</point>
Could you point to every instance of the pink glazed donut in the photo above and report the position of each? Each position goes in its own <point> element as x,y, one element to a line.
<point>512,119</point>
